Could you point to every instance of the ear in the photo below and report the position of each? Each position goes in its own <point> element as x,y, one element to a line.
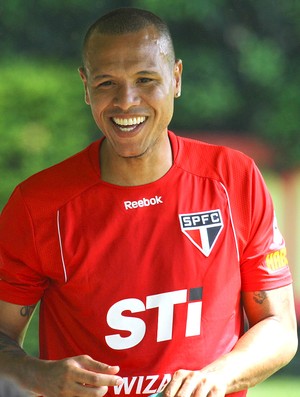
<point>177,77</point>
<point>83,77</point>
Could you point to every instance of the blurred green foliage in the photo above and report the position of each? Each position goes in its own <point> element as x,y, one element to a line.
<point>43,118</point>
<point>241,73</point>
<point>241,69</point>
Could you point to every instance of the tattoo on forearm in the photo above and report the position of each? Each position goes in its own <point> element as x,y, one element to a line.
<point>26,311</point>
<point>260,297</point>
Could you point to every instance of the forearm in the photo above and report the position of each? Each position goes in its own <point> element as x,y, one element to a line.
<point>67,377</point>
<point>263,350</point>
<point>15,363</point>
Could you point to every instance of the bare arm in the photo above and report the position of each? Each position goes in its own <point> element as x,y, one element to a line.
<point>80,376</point>
<point>14,320</point>
<point>273,331</point>
<point>269,344</point>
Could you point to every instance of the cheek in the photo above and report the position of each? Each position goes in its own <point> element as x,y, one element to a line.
<point>165,110</point>
<point>166,99</point>
<point>161,93</point>
<point>98,104</point>
<point>97,113</point>
<point>161,100</point>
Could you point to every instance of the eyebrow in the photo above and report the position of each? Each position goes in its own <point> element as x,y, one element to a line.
<point>101,76</point>
<point>149,72</point>
<point>142,72</point>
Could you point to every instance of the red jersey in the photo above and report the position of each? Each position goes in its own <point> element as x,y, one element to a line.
<point>145,277</point>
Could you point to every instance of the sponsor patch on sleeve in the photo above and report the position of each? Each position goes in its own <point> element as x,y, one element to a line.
<point>276,260</point>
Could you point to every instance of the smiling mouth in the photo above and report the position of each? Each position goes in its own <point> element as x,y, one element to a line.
<point>128,124</point>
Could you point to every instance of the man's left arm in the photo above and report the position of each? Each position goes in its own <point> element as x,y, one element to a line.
<point>269,344</point>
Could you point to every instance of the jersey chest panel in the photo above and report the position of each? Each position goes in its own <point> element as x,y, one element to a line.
<point>148,266</point>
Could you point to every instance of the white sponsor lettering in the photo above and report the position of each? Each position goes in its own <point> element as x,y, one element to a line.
<point>144,202</point>
<point>166,304</point>
<point>134,325</point>
<point>143,384</point>
<point>193,322</point>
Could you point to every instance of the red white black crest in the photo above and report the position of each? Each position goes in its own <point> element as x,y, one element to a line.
<point>202,229</point>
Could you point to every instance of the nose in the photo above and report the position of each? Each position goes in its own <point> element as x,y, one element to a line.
<point>126,97</point>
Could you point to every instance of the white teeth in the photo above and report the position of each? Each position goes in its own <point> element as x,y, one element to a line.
<point>132,121</point>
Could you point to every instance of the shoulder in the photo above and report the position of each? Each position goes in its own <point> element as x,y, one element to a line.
<point>61,181</point>
<point>213,161</point>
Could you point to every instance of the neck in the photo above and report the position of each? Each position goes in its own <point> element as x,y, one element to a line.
<point>135,171</point>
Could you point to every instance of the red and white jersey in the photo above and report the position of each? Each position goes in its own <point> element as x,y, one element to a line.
<point>145,277</point>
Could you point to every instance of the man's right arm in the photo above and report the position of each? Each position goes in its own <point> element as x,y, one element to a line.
<point>14,320</point>
<point>67,377</point>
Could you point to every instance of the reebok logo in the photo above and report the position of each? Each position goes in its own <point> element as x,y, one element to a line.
<point>144,202</point>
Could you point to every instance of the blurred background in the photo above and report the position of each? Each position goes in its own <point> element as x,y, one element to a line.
<point>241,88</point>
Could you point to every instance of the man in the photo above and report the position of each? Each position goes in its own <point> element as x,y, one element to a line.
<point>144,248</point>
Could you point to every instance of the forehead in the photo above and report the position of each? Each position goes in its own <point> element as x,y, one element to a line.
<point>144,47</point>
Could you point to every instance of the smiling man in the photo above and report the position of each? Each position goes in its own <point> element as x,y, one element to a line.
<point>145,249</point>
<point>130,82</point>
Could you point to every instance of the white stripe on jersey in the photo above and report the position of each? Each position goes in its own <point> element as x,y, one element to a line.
<point>232,223</point>
<point>60,246</point>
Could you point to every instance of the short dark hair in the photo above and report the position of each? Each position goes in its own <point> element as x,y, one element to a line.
<point>128,20</point>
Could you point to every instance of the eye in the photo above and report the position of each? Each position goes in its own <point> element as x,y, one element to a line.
<point>145,80</point>
<point>107,83</point>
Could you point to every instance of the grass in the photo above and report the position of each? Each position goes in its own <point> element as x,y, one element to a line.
<point>277,386</point>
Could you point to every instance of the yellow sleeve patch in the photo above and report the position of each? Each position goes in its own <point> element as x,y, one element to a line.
<point>276,260</point>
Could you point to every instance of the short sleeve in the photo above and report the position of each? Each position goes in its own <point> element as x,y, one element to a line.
<point>264,263</point>
<point>21,280</point>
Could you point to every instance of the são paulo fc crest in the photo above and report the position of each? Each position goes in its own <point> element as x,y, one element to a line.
<point>202,229</point>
